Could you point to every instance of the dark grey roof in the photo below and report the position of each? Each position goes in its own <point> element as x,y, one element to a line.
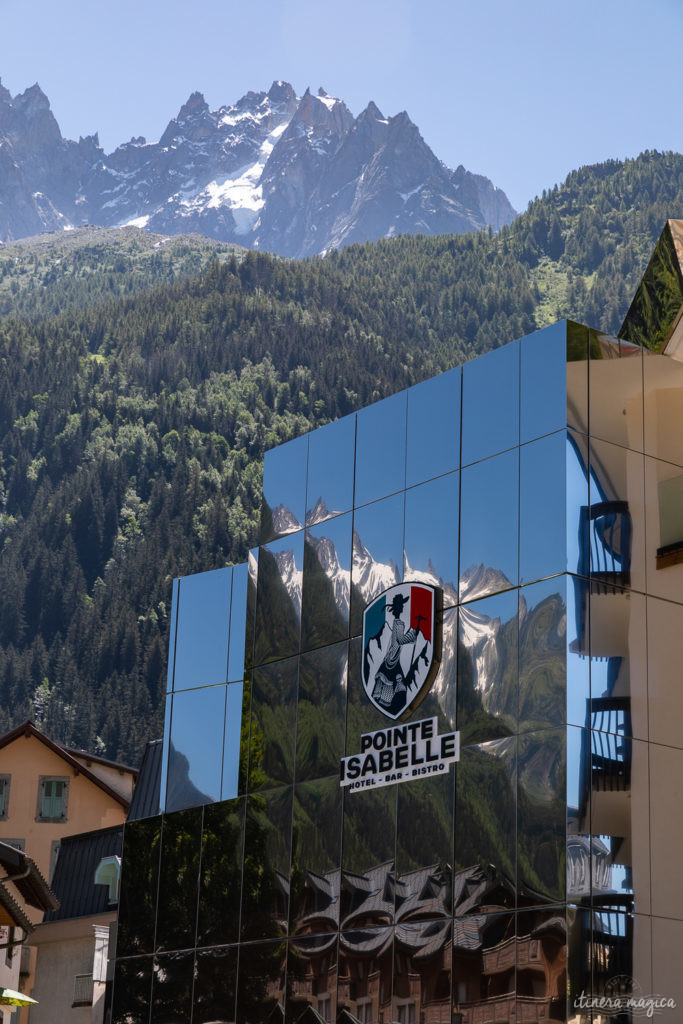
<point>145,802</point>
<point>74,878</point>
<point>23,873</point>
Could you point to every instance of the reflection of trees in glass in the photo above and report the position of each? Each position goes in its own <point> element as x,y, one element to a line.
<point>260,985</point>
<point>321,711</point>
<point>542,661</point>
<point>215,986</point>
<point>137,902</point>
<point>220,886</point>
<point>132,991</point>
<point>178,879</point>
<point>277,624</point>
<point>172,987</point>
<point>265,876</point>
<point>488,673</point>
<point>541,814</point>
<point>273,723</point>
<point>316,848</point>
<point>485,807</point>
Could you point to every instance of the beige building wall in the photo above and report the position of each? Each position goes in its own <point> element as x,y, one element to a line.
<point>25,761</point>
<point>66,949</point>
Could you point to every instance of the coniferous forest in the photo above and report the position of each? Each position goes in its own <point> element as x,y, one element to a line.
<point>143,380</point>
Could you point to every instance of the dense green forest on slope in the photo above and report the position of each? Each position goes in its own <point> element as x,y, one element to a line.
<point>139,391</point>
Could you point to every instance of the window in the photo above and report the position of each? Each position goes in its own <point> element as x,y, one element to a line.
<point>53,792</point>
<point>4,796</point>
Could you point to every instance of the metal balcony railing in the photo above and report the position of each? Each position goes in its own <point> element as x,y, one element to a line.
<point>83,990</point>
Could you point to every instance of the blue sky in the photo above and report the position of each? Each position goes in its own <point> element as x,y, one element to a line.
<point>522,92</point>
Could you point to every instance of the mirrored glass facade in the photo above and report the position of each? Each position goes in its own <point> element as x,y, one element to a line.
<point>540,489</point>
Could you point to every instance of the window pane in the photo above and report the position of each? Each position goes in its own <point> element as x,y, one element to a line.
<point>273,724</point>
<point>424,848</point>
<point>368,850</point>
<point>233,741</point>
<point>316,856</point>
<point>267,860</point>
<point>261,982</point>
<point>488,526</point>
<point>321,712</point>
<point>663,385</point>
<point>284,489</point>
<point>541,816</point>
<point>172,988</point>
<point>431,535</point>
<point>215,986</point>
<point>380,449</point>
<point>132,991</point>
<point>331,451</point>
<point>312,979</point>
<point>220,886</point>
<point>238,622</point>
<point>490,403</point>
<point>488,669</point>
<point>195,751</point>
<point>543,382</point>
<point>365,975</point>
<point>179,879</point>
<point>433,427</point>
<point>326,583</point>
<point>377,554</point>
<point>139,877</point>
<point>201,654</point>
<point>483,945</point>
<point>278,599</point>
<point>542,512</point>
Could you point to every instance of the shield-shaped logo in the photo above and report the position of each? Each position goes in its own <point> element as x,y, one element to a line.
<point>401,647</point>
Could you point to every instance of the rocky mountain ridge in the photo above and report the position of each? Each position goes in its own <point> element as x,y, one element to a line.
<point>282,173</point>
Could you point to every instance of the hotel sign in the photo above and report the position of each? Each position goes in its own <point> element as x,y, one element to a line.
<point>401,653</point>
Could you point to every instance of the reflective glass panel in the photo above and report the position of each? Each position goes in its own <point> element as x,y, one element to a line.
<point>664,530</point>
<point>238,622</point>
<point>666,830</point>
<point>132,991</point>
<point>490,403</point>
<point>440,702</point>
<point>172,634</point>
<point>243,777</point>
<point>368,850</point>
<point>613,948</point>
<point>278,600</point>
<point>542,508</point>
<point>484,968</point>
<point>377,554</point>
<point>316,855</point>
<point>578,496</point>
<point>553,667</point>
<point>581,847</point>
<point>273,724</point>
<point>321,712</point>
<point>232,741</point>
<point>663,383</point>
<point>380,449</point>
<point>541,816</point>
<point>284,489</point>
<point>616,527</point>
<point>664,660</point>
<point>489,526</point>
<point>543,383</point>
<point>172,988</point>
<point>312,979</point>
<point>201,654</point>
<point>252,581</point>
<point>261,983</point>
<point>579,963</point>
<point>431,535</point>
<point>422,976</point>
<point>485,823</point>
<point>361,715</point>
<point>541,964</point>
<point>178,879</point>
<point>424,851</point>
<point>619,694</point>
<point>195,752</point>
<point>364,987</point>
<point>220,882</point>
<point>331,451</point>
<point>265,878</point>
<point>434,427</point>
<point>488,669</point>
<point>326,583</point>
<point>139,880</point>
<point>164,756</point>
<point>577,376</point>
<point>616,391</point>
<point>215,986</point>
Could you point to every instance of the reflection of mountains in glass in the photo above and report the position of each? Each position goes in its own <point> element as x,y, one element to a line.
<point>181,791</point>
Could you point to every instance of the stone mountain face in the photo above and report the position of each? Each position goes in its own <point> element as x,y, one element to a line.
<point>287,174</point>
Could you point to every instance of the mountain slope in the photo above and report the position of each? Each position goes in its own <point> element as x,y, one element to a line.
<point>287,174</point>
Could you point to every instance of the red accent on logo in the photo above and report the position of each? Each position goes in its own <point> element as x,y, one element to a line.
<point>421,611</point>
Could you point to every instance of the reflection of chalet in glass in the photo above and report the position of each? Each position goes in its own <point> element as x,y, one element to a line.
<point>540,487</point>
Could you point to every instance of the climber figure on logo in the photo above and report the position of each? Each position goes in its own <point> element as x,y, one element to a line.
<point>390,683</point>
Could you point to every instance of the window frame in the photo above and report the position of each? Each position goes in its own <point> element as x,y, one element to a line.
<point>7,780</point>
<point>42,780</point>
